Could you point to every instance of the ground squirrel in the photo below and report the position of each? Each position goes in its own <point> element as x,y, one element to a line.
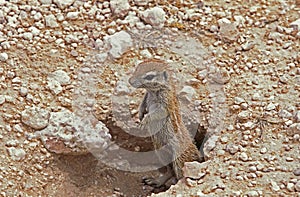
<point>159,113</point>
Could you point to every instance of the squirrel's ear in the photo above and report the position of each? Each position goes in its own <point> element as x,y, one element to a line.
<point>165,74</point>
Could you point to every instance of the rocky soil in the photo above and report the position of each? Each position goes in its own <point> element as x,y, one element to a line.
<point>68,117</point>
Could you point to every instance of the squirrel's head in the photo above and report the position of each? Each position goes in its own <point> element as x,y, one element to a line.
<point>151,74</point>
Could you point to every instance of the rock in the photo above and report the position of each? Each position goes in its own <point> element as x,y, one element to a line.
<point>248,45</point>
<point>119,8</point>
<point>50,21</point>
<point>120,42</point>
<point>232,149</point>
<point>141,2</point>
<point>101,57</point>
<point>35,117</point>
<point>274,186</point>
<point>2,99</point>
<point>209,145</point>
<point>187,92</point>
<point>297,172</point>
<point>46,2</point>
<point>296,24</point>
<point>154,16</point>
<point>244,115</point>
<point>297,186</point>
<point>62,4</point>
<point>293,129</point>
<point>195,170</point>
<point>54,86</point>
<point>71,134</point>
<point>228,30</point>
<point>61,76</point>
<point>243,156</point>
<point>252,193</point>
<point>284,114</point>
<point>17,154</point>
<point>3,57</point>
<point>72,15</point>
<point>297,116</point>
<point>238,100</point>
<point>122,88</point>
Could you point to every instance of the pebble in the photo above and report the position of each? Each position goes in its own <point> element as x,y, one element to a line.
<point>243,156</point>
<point>297,172</point>
<point>35,117</point>
<point>290,187</point>
<point>101,57</point>
<point>54,86</point>
<point>61,76</point>
<point>50,21</point>
<point>17,154</point>
<point>296,24</point>
<point>263,150</point>
<point>2,99</point>
<point>3,57</point>
<point>274,186</point>
<point>188,93</point>
<point>154,16</point>
<point>63,4</point>
<point>120,42</point>
<point>297,186</point>
<point>232,149</point>
<point>46,2</point>
<point>195,170</point>
<point>256,97</point>
<point>122,88</point>
<point>297,116</point>
<point>72,15</point>
<point>244,115</point>
<point>252,193</point>
<point>119,8</point>
<point>238,100</point>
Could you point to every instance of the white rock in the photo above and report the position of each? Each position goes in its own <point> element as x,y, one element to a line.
<point>297,116</point>
<point>270,106</point>
<point>240,20</point>
<point>195,170</point>
<point>23,91</point>
<point>5,45</point>
<point>51,21</point>
<point>187,92</point>
<point>252,193</point>
<point>141,2</point>
<point>35,117</point>
<point>244,115</point>
<point>154,16</point>
<point>274,186</point>
<point>62,4</point>
<point>72,15</point>
<point>54,86</point>
<point>61,76</point>
<point>3,57</point>
<point>27,35</point>
<point>38,16</point>
<point>296,24</point>
<point>297,186</point>
<point>243,156</point>
<point>122,88</point>
<point>101,57</point>
<point>284,114</point>
<point>46,2</point>
<point>35,31</point>
<point>2,99</point>
<point>119,8</point>
<point>293,129</point>
<point>238,100</point>
<point>120,42</point>
<point>2,2</point>
<point>256,96</point>
<point>17,154</point>
<point>223,21</point>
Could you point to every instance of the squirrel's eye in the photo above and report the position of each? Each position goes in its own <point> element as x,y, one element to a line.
<point>149,77</point>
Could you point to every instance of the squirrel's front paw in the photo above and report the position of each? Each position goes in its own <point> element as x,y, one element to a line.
<point>145,121</point>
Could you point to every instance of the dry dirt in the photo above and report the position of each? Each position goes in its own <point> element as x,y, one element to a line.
<point>257,152</point>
